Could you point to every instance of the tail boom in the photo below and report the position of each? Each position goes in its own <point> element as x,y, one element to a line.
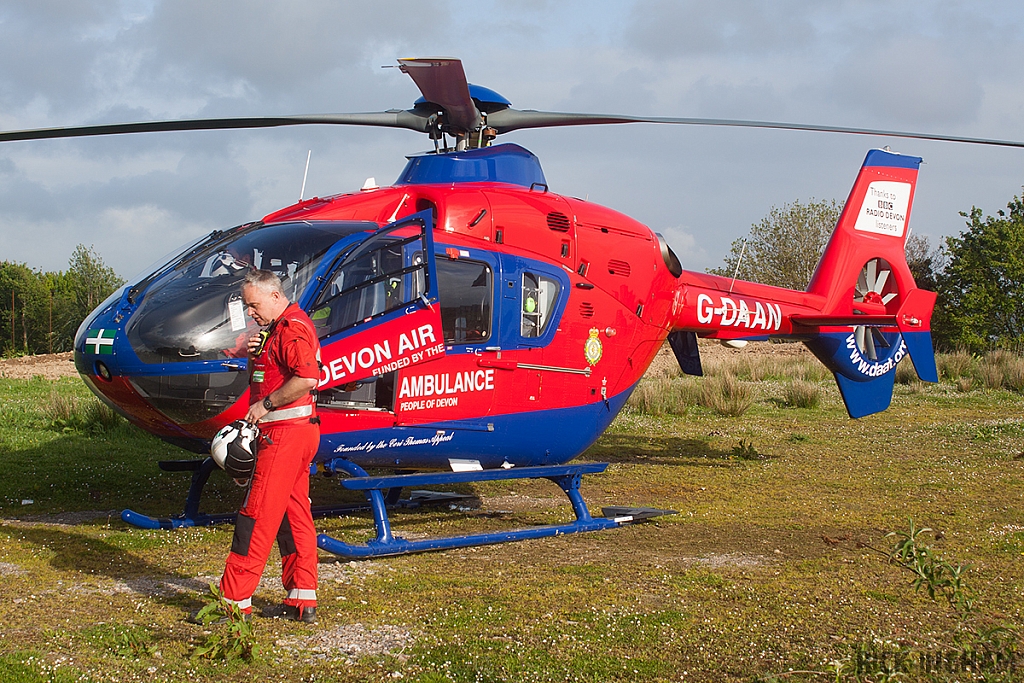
<point>862,312</point>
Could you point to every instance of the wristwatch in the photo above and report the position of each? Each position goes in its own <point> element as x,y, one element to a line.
<point>268,404</point>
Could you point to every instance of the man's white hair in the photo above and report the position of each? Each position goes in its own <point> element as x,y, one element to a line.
<point>263,279</point>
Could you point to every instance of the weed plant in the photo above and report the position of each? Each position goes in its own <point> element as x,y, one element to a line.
<point>746,451</point>
<point>936,576</point>
<point>1003,369</point>
<point>997,369</point>
<point>238,642</point>
<point>991,375</point>
<point>810,370</point>
<point>135,643</point>
<point>965,384</point>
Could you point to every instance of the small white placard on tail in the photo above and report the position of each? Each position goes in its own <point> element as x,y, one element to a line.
<point>884,211</point>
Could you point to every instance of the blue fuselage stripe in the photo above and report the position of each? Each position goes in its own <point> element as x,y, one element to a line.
<point>543,437</point>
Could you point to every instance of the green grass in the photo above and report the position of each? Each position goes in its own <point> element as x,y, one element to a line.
<point>766,570</point>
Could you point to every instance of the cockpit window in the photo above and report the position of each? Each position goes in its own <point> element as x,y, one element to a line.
<point>194,311</point>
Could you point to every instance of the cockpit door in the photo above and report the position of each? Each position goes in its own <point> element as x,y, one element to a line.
<point>378,308</point>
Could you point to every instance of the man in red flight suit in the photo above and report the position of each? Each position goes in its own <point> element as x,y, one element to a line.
<point>284,371</point>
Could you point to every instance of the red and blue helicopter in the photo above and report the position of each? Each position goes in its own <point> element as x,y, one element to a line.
<point>474,324</point>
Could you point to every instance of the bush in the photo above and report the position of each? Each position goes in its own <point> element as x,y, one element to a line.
<point>953,366</point>
<point>990,373</point>
<point>726,395</point>
<point>964,384</point>
<point>1013,375</point>
<point>663,396</point>
<point>905,371</point>
<point>69,413</point>
<point>801,394</point>
<point>811,371</point>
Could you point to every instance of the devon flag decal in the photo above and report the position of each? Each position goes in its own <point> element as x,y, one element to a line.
<point>100,341</point>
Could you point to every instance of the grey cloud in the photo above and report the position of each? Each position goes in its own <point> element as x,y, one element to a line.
<point>911,82</point>
<point>272,46</point>
<point>199,189</point>
<point>187,56</point>
<point>47,49</point>
<point>626,91</point>
<point>674,28</point>
<point>754,99</point>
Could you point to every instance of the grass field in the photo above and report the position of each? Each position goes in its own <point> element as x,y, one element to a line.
<point>775,568</point>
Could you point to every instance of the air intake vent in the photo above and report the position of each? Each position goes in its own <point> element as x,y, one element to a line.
<point>617,267</point>
<point>586,310</point>
<point>558,221</point>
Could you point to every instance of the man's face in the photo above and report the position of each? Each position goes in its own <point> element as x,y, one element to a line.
<point>262,306</point>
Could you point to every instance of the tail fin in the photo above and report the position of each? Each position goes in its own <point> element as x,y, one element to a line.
<point>866,284</point>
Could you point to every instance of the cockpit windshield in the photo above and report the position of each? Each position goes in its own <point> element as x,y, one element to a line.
<point>194,311</point>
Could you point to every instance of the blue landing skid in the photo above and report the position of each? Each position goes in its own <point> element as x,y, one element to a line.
<point>567,477</point>
<point>201,470</point>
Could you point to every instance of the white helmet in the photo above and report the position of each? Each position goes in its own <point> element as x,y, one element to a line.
<point>234,449</point>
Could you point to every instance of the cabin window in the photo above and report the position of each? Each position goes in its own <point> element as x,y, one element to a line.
<point>538,302</point>
<point>466,292</point>
<point>380,275</point>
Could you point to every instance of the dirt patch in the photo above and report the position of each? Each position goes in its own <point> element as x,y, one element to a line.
<point>352,641</point>
<point>51,366</point>
<point>63,518</point>
<point>153,587</point>
<point>9,569</point>
<point>518,502</point>
<point>719,560</point>
<point>340,571</point>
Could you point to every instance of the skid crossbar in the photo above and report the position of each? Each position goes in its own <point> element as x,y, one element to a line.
<point>568,478</point>
<point>201,470</point>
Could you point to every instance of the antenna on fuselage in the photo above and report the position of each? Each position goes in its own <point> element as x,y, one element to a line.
<point>736,271</point>
<point>302,192</point>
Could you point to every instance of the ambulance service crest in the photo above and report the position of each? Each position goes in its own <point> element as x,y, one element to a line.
<point>592,349</point>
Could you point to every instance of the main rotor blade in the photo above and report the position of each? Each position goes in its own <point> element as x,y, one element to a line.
<point>443,82</point>
<point>389,119</point>
<point>504,121</point>
<point>507,120</point>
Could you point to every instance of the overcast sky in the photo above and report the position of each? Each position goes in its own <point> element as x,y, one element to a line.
<point>950,67</point>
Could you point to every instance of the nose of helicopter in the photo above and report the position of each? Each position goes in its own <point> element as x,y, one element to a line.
<point>147,395</point>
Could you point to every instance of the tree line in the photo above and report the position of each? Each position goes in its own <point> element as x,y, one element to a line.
<point>41,311</point>
<point>978,274</point>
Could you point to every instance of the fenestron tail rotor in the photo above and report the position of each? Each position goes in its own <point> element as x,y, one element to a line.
<point>874,288</point>
<point>451,106</point>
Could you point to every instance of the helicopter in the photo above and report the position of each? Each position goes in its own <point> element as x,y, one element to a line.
<point>474,324</point>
